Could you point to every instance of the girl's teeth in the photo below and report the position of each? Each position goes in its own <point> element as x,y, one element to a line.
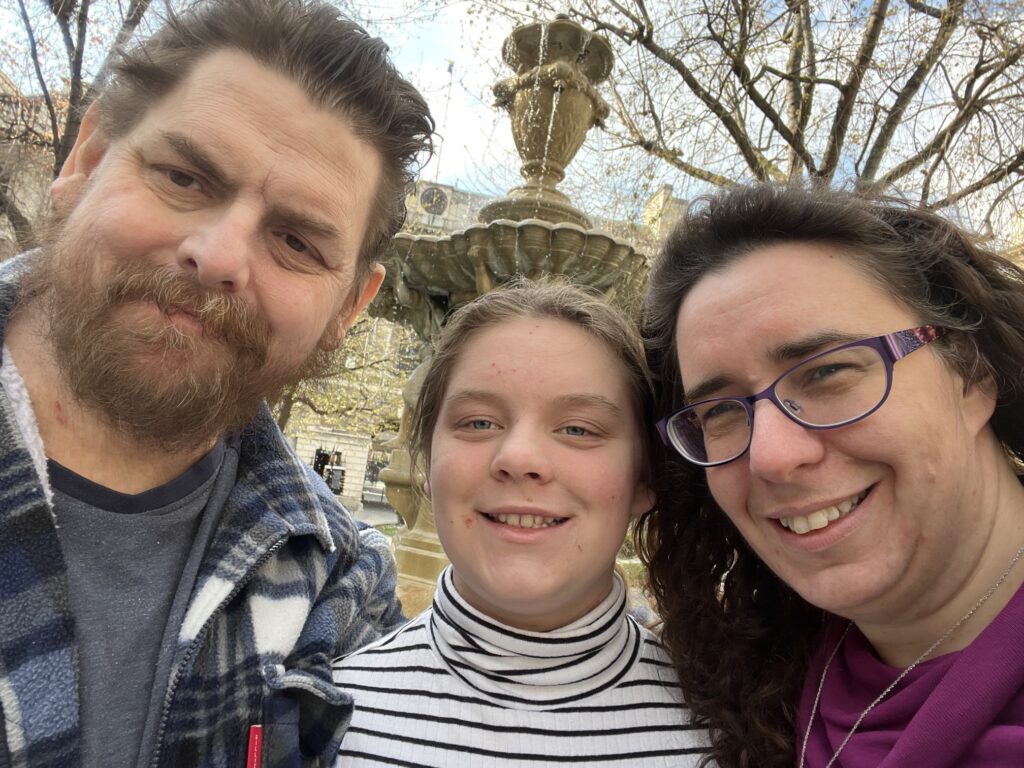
<point>526,521</point>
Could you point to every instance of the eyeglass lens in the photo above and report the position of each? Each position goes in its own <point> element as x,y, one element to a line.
<point>827,390</point>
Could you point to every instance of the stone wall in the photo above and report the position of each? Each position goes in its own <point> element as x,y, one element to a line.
<point>354,450</point>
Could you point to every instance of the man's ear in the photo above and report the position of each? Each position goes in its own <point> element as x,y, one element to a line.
<point>346,318</point>
<point>90,146</point>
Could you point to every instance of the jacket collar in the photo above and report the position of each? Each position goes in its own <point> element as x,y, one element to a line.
<point>270,467</point>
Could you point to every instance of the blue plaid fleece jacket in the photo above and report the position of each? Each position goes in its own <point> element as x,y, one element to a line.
<point>288,582</point>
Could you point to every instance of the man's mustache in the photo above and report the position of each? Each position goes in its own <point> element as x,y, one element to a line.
<point>223,317</point>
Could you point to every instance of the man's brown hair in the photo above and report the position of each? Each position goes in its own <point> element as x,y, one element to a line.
<point>339,66</point>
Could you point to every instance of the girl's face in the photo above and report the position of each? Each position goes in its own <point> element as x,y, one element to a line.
<point>534,471</point>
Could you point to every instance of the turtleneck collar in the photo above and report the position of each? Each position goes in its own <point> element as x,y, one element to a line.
<point>535,670</point>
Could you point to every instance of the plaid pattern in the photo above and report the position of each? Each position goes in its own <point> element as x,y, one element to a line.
<point>289,581</point>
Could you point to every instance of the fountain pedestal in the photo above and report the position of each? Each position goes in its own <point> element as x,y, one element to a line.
<point>534,231</point>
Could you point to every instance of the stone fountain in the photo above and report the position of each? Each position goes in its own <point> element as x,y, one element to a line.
<point>535,230</point>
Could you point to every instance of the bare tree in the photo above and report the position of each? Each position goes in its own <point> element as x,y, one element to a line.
<point>362,392</point>
<point>894,96</point>
<point>50,78</point>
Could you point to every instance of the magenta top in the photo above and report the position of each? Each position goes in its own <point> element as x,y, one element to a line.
<point>960,710</point>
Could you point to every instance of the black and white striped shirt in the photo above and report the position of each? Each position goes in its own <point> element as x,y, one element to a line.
<point>456,688</point>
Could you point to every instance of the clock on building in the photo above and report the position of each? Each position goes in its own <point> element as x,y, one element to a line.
<point>434,200</point>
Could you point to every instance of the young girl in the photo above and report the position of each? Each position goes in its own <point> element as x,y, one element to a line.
<point>531,427</point>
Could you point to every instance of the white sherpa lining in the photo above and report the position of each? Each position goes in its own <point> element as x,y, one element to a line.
<point>21,405</point>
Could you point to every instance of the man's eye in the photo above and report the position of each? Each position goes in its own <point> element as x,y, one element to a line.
<point>295,243</point>
<point>181,179</point>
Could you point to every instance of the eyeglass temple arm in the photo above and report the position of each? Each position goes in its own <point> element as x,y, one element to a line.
<point>902,343</point>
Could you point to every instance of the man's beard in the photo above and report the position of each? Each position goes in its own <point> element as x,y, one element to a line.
<point>155,384</point>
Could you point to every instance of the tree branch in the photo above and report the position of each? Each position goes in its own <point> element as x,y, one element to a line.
<point>949,21</point>
<point>968,107</point>
<point>758,165</point>
<point>660,150</point>
<point>935,13</point>
<point>319,410</point>
<point>803,79</point>
<point>24,234</point>
<point>737,63</point>
<point>794,85</point>
<point>848,93</point>
<point>34,52</point>
<point>132,19</point>
<point>75,90</point>
<point>996,202</point>
<point>1014,165</point>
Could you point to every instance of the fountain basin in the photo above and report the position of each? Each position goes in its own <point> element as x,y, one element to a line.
<point>470,262</point>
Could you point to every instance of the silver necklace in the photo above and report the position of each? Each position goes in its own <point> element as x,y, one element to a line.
<point>949,632</point>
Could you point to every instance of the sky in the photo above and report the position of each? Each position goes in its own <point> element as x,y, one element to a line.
<point>454,58</point>
<point>451,51</point>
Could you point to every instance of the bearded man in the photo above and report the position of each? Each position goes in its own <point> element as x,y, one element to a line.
<point>174,580</point>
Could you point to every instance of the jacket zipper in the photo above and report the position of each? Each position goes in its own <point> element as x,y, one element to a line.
<point>169,697</point>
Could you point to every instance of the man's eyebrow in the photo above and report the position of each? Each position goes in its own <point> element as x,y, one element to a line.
<point>206,165</point>
<point>197,157</point>
<point>787,352</point>
<point>304,222</point>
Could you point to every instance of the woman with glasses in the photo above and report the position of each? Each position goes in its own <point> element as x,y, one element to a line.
<point>835,552</point>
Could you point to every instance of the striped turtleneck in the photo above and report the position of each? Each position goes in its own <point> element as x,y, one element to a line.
<point>457,688</point>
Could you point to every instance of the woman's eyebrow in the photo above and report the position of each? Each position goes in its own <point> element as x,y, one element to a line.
<point>706,388</point>
<point>794,351</point>
<point>786,352</point>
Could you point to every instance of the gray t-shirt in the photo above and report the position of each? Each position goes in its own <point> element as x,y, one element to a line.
<point>132,562</point>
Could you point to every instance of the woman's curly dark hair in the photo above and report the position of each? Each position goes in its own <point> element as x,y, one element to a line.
<point>739,636</point>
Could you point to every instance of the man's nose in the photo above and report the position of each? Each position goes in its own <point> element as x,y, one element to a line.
<point>219,250</point>
<point>779,446</point>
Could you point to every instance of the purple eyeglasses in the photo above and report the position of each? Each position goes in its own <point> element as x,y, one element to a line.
<point>827,390</point>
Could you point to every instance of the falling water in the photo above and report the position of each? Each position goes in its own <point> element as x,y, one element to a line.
<point>542,53</point>
<point>547,138</point>
<point>588,36</point>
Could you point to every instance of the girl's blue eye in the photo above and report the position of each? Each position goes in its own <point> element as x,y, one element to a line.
<point>480,424</point>
<point>576,431</point>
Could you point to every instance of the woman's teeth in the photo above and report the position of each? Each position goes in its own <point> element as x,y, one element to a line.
<point>819,519</point>
<point>527,521</point>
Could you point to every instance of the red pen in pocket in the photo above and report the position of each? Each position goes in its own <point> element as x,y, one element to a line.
<point>254,758</point>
